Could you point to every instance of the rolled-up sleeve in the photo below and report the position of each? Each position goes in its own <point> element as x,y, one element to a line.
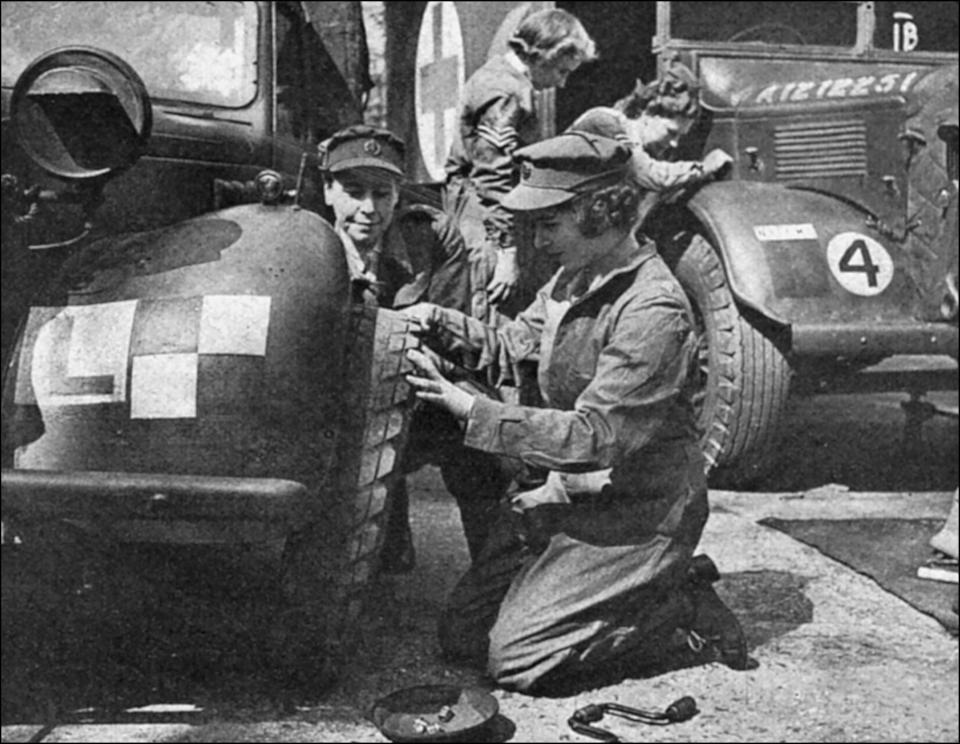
<point>639,373</point>
<point>663,175</point>
<point>496,352</point>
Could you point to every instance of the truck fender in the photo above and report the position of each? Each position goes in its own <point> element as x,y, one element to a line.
<point>774,242</point>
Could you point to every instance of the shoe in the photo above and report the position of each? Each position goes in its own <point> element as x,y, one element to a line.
<point>715,633</point>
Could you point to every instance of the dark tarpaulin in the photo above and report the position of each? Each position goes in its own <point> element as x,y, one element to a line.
<point>340,26</point>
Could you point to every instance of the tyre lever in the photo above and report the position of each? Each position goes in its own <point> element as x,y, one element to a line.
<point>679,710</point>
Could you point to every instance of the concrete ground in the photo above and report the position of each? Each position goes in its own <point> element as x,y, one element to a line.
<point>837,657</point>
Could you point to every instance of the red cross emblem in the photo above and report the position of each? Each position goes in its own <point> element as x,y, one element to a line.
<point>440,73</point>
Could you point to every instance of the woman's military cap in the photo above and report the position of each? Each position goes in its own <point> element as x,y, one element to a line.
<point>556,170</point>
<point>362,146</point>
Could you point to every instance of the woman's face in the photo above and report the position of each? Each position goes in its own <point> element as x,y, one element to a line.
<point>556,233</point>
<point>363,202</point>
<point>554,73</point>
<point>658,134</point>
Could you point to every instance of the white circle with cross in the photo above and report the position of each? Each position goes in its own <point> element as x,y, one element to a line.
<point>439,80</point>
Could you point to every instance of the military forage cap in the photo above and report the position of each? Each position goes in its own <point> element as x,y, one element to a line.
<point>556,170</point>
<point>362,146</point>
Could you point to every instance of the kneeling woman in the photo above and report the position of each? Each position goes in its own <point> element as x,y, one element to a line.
<point>594,570</point>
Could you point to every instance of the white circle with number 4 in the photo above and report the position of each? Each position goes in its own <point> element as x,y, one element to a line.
<point>859,263</point>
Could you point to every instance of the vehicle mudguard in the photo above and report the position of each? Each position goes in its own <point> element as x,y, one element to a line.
<point>213,347</point>
<point>802,257</point>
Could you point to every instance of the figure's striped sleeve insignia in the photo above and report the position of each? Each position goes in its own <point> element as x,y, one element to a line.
<point>503,138</point>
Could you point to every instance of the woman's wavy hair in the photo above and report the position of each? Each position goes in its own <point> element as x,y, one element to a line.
<point>550,34</point>
<point>676,93</point>
<point>605,207</point>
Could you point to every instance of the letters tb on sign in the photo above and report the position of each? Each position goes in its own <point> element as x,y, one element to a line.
<point>861,265</point>
<point>906,35</point>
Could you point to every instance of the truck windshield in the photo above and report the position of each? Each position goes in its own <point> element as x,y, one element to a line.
<point>819,23</point>
<point>201,52</point>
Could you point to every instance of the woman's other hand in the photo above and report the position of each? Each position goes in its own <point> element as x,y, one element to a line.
<point>716,161</point>
<point>505,277</point>
<point>425,314</point>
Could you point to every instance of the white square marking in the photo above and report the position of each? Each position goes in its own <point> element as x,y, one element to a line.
<point>234,324</point>
<point>164,386</point>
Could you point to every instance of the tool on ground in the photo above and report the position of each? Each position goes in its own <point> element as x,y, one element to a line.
<point>434,713</point>
<point>679,710</point>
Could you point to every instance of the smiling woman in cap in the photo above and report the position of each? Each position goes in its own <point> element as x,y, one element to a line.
<point>362,170</point>
<point>593,573</point>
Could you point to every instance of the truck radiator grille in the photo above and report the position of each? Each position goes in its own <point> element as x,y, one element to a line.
<point>820,150</point>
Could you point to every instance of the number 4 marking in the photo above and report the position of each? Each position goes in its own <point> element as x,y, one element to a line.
<point>866,265</point>
<point>860,264</point>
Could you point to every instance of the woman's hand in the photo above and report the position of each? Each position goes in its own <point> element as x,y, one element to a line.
<point>505,277</point>
<point>425,314</point>
<point>716,161</point>
<point>433,387</point>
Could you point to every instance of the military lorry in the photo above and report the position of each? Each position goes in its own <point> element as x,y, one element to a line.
<point>831,243</point>
<point>184,363</point>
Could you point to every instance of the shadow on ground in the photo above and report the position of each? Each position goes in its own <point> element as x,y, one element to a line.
<point>859,441</point>
<point>87,637</point>
<point>769,604</point>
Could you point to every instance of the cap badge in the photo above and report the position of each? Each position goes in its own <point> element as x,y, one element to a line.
<point>372,147</point>
<point>526,170</point>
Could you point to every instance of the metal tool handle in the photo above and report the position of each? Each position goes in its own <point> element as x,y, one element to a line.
<point>679,710</point>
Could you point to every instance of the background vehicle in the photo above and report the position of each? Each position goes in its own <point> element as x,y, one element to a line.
<point>186,371</point>
<point>831,244</point>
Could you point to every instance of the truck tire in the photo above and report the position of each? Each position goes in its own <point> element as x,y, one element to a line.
<point>744,377</point>
<point>328,569</point>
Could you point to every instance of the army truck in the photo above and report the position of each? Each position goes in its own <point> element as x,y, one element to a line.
<point>184,363</point>
<point>832,242</point>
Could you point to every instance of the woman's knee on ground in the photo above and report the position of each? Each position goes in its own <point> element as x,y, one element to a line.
<point>518,661</point>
